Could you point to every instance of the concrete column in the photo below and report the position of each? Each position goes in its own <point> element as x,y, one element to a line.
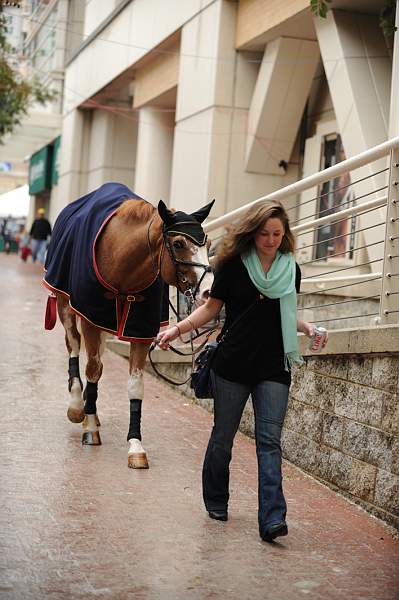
<point>111,149</point>
<point>154,154</point>
<point>71,182</point>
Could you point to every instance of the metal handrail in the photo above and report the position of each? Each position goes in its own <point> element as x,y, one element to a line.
<point>349,164</point>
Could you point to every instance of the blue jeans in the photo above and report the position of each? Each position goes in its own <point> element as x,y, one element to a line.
<point>39,248</point>
<point>269,400</point>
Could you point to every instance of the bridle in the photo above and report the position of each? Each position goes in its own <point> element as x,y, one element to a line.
<point>186,289</point>
<point>183,284</point>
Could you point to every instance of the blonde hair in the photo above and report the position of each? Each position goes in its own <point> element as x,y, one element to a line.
<point>242,234</point>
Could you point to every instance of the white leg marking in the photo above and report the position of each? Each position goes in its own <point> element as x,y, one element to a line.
<point>135,385</point>
<point>135,446</point>
<point>75,396</point>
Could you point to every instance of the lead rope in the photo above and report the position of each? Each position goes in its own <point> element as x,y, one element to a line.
<point>208,332</point>
<point>190,299</point>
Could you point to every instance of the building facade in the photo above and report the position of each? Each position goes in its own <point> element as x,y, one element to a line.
<point>225,99</point>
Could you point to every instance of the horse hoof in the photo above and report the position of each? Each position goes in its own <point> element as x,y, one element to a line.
<point>137,460</point>
<point>91,438</point>
<point>75,415</point>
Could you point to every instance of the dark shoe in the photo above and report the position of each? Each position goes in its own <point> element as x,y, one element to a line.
<point>219,515</point>
<point>276,530</point>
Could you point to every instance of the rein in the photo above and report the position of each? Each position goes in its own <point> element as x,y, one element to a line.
<point>189,295</point>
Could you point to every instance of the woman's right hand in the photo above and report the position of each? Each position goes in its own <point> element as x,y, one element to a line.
<point>167,336</point>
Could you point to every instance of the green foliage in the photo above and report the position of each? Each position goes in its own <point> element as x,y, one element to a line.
<point>387,14</point>
<point>16,93</point>
<point>387,17</point>
<point>319,7</point>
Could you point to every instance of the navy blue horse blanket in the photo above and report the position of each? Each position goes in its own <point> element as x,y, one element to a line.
<point>71,270</point>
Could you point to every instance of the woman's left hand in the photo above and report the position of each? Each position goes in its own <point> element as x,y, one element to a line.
<point>308,330</point>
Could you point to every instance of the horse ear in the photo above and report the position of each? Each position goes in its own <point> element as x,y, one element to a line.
<point>164,212</point>
<point>201,214</point>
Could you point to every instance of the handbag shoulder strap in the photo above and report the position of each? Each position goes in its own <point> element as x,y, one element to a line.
<point>240,317</point>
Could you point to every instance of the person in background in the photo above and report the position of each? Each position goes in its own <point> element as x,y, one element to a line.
<point>257,280</point>
<point>23,245</point>
<point>39,234</point>
<point>6,234</point>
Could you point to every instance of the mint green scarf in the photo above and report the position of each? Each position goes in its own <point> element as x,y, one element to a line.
<point>278,282</point>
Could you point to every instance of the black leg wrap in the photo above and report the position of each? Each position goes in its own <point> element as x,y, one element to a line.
<point>135,420</point>
<point>73,371</point>
<point>90,398</point>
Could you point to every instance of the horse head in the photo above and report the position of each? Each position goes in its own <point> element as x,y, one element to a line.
<point>185,264</point>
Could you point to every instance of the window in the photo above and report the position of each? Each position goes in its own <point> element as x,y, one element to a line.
<point>335,239</point>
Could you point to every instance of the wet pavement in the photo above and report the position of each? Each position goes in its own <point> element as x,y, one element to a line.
<point>75,522</point>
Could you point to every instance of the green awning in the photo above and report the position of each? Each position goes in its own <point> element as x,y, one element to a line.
<point>39,171</point>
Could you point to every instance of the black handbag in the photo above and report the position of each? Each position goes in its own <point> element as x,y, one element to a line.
<point>201,376</point>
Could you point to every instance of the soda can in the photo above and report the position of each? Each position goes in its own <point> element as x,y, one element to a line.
<point>317,339</point>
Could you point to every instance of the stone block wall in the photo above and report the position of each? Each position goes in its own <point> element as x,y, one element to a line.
<point>342,426</point>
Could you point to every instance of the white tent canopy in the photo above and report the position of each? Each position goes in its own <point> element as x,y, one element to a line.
<point>15,203</point>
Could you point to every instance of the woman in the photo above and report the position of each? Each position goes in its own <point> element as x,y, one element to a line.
<point>257,280</point>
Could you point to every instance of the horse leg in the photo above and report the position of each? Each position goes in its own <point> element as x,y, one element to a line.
<point>67,317</point>
<point>137,456</point>
<point>94,344</point>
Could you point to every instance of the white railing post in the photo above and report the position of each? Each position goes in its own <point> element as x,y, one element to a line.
<point>389,306</point>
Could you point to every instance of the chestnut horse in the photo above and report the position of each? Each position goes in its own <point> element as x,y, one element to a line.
<point>109,255</point>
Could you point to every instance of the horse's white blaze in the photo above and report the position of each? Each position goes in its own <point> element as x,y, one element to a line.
<point>135,385</point>
<point>201,256</point>
<point>135,446</point>
<point>90,423</point>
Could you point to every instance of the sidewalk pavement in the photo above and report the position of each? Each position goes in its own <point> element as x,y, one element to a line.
<point>75,522</point>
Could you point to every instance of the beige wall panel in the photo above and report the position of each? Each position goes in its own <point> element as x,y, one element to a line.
<point>142,25</point>
<point>207,60</point>
<point>97,177</point>
<point>95,12</point>
<point>226,63</point>
<point>278,101</point>
<point>243,187</point>
<point>320,106</point>
<point>72,181</point>
<point>159,76</point>
<point>191,156</point>
<point>72,139</point>
<point>99,148</point>
<point>154,155</point>
<point>198,64</point>
<point>247,69</point>
<point>112,149</point>
<point>257,16</point>
<point>219,159</point>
